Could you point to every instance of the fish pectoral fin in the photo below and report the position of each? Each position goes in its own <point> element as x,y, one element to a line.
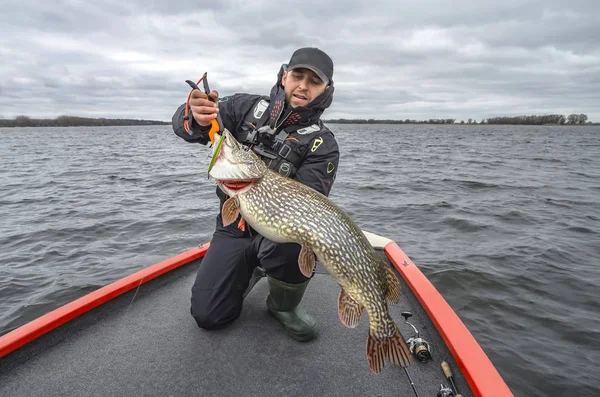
<point>391,348</point>
<point>349,310</point>
<point>306,261</point>
<point>230,211</point>
<point>242,224</point>
<point>392,284</point>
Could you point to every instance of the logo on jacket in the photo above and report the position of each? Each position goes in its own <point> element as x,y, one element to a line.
<point>318,142</point>
<point>260,108</point>
<point>285,169</point>
<point>308,130</point>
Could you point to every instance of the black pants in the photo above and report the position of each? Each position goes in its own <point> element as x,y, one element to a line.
<point>223,276</point>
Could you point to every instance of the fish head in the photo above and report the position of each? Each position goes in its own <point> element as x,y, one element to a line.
<point>234,167</point>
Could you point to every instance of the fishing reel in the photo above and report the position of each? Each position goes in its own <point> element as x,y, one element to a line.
<point>417,345</point>
<point>445,391</point>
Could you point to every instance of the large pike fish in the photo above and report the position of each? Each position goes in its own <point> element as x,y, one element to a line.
<point>285,210</point>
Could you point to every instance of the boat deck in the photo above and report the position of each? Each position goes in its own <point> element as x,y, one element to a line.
<point>145,343</point>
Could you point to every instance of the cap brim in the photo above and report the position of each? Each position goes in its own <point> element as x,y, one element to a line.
<point>314,69</point>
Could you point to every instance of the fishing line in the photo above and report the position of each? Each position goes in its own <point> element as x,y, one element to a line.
<point>135,294</point>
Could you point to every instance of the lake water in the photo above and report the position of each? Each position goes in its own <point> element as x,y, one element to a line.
<point>504,220</point>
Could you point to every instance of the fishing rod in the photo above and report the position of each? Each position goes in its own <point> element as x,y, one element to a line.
<point>418,347</point>
<point>411,382</point>
<point>422,350</point>
<point>448,372</point>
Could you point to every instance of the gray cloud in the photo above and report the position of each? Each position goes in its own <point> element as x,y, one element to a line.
<point>396,59</point>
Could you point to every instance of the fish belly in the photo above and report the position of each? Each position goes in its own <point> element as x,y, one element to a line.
<point>285,211</point>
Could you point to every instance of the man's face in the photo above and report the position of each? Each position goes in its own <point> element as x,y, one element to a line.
<point>302,86</point>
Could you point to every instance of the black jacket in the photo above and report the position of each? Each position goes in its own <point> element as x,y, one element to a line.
<point>318,168</point>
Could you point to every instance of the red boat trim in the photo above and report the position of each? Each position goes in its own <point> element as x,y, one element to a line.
<point>38,327</point>
<point>480,373</point>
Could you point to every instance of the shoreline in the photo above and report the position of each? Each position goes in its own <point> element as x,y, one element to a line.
<point>325,122</point>
<point>75,121</point>
<point>461,124</point>
<point>72,121</point>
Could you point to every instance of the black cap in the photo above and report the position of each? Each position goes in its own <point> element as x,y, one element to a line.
<point>313,59</point>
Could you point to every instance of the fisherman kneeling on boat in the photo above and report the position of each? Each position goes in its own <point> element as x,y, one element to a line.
<point>286,131</point>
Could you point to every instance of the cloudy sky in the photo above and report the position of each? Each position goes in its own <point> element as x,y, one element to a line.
<point>393,59</point>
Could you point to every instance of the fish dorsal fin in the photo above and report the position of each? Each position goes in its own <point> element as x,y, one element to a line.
<point>306,261</point>
<point>349,310</point>
<point>392,284</point>
<point>230,211</point>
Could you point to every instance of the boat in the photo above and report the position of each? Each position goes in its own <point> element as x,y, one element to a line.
<point>136,337</point>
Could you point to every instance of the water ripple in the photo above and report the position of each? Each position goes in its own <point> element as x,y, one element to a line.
<point>504,220</point>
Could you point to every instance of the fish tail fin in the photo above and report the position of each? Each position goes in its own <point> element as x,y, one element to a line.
<point>398,351</point>
<point>391,348</point>
<point>375,352</point>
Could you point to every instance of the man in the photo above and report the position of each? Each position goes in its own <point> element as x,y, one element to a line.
<point>285,130</point>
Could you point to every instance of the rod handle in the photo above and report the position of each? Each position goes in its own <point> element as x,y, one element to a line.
<point>446,369</point>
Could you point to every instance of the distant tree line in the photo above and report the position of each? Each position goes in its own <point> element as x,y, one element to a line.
<point>72,121</point>
<point>540,120</point>
<point>387,121</point>
<point>523,120</point>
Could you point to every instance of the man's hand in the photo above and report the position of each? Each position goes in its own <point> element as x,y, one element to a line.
<point>203,109</point>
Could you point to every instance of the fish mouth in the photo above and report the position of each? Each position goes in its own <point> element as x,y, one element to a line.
<point>234,168</point>
<point>236,185</point>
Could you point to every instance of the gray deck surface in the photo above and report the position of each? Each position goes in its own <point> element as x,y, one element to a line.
<point>145,343</point>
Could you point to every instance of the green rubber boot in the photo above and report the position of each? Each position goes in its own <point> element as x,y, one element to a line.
<point>283,303</point>
<point>257,274</point>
